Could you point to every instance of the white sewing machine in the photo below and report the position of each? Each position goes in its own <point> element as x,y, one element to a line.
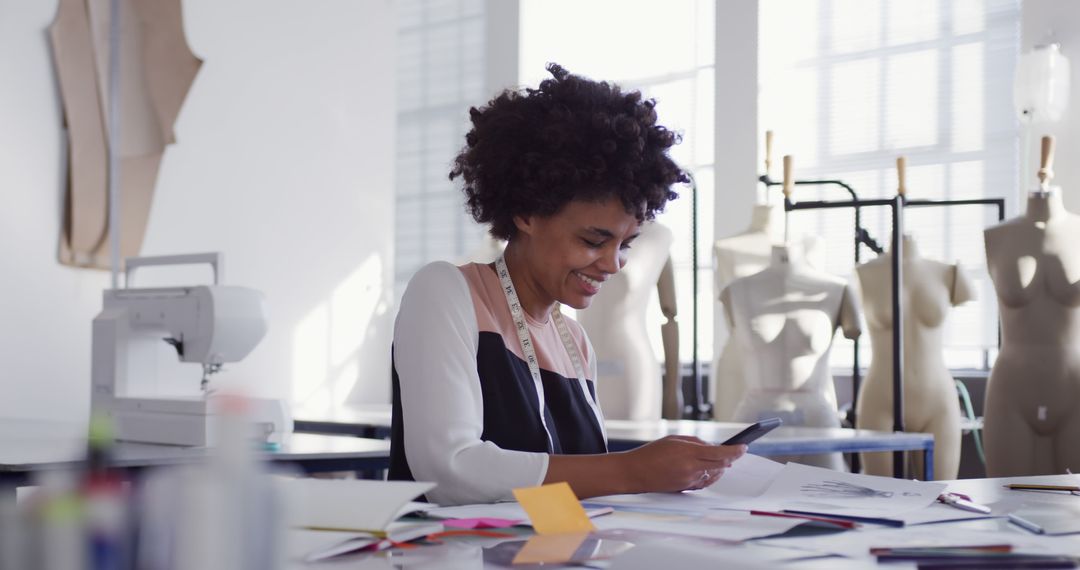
<point>206,324</point>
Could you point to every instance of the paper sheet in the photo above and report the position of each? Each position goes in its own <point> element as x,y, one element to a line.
<point>749,477</point>
<point>553,509</point>
<point>858,544</point>
<point>479,523</point>
<point>677,554</point>
<point>304,543</point>
<point>939,512</point>
<point>756,483</point>
<point>806,488</point>
<point>508,510</point>
<point>735,526</point>
<point>157,68</point>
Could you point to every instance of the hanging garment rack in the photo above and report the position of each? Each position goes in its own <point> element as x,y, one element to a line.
<point>896,205</point>
<point>698,406</point>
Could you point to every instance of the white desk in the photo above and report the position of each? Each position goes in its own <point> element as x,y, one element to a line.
<point>29,446</point>
<point>491,553</point>
<point>373,421</point>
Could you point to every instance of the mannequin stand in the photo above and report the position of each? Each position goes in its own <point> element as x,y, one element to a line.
<point>896,205</point>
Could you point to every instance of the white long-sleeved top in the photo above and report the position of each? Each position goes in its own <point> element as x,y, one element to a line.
<point>465,407</point>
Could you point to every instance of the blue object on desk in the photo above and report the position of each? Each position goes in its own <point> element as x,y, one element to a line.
<point>1025,524</point>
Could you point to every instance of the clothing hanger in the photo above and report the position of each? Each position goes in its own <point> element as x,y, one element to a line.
<point>768,166</point>
<point>789,185</point>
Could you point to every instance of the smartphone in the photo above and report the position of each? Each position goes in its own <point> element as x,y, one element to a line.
<point>754,431</point>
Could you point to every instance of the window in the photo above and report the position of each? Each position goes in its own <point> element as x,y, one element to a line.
<point>849,85</point>
<point>441,69</point>
<point>665,50</point>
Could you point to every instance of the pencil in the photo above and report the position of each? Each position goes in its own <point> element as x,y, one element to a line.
<point>1031,487</point>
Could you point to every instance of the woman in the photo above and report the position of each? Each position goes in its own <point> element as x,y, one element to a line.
<point>493,388</point>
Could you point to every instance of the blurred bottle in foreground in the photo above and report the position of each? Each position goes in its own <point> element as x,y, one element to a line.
<point>223,514</point>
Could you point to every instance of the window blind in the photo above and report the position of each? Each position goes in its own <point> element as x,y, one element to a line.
<point>849,85</point>
<point>679,73</point>
<point>441,66</point>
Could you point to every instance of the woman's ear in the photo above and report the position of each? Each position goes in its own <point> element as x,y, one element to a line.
<point>525,224</point>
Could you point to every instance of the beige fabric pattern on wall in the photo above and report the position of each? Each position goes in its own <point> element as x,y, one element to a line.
<point>156,70</point>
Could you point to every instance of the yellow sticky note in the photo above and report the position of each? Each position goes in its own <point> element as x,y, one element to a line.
<point>553,509</point>
<point>550,548</point>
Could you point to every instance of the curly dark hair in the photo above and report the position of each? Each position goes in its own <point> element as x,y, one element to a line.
<point>532,152</point>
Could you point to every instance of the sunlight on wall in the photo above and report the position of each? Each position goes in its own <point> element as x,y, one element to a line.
<point>326,342</point>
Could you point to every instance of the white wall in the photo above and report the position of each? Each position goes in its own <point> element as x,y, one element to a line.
<point>737,134</point>
<point>284,162</point>
<point>502,44</point>
<point>1062,18</point>
<point>736,116</point>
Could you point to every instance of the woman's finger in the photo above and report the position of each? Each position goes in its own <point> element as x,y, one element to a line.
<point>689,438</point>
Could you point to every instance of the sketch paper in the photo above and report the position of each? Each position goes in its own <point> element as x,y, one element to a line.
<point>806,488</point>
<point>747,478</point>
<point>87,176</point>
<point>756,483</point>
<point>156,69</point>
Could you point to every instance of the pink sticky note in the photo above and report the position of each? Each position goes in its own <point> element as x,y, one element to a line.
<point>479,522</point>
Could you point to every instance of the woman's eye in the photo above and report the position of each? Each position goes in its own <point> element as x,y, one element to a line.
<point>625,246</point>
<point>592,244</point>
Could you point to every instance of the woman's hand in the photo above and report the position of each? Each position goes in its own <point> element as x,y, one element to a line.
<point>678,463</point>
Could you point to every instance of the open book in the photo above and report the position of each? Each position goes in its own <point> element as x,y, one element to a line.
<point>345,515</point>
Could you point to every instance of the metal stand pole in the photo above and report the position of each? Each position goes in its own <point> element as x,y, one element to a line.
<point>898,328</point>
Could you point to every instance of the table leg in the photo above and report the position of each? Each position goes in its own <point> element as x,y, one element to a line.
<point>928,462</point>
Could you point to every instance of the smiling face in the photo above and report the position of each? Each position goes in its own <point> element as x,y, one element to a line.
<point>567,257</point>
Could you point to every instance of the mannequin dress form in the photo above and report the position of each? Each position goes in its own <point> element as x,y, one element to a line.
<point>930,289</point>
<point>1031,421</point>
<point>783,320</point>
<point>742,255</point>
<point>629,383</point>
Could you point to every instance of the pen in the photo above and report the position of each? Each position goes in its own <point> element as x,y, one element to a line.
<point>1025,524</point>
<point>987,561</point>
<point>963,503</point>
<point>1031,487</point>
<point>982,548</point>
<point>829,519</point>
<point>871,520</point>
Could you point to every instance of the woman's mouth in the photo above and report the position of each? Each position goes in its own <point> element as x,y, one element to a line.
<point>591,285</point>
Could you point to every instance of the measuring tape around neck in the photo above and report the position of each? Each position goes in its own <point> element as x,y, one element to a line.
<point>517,311</point>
